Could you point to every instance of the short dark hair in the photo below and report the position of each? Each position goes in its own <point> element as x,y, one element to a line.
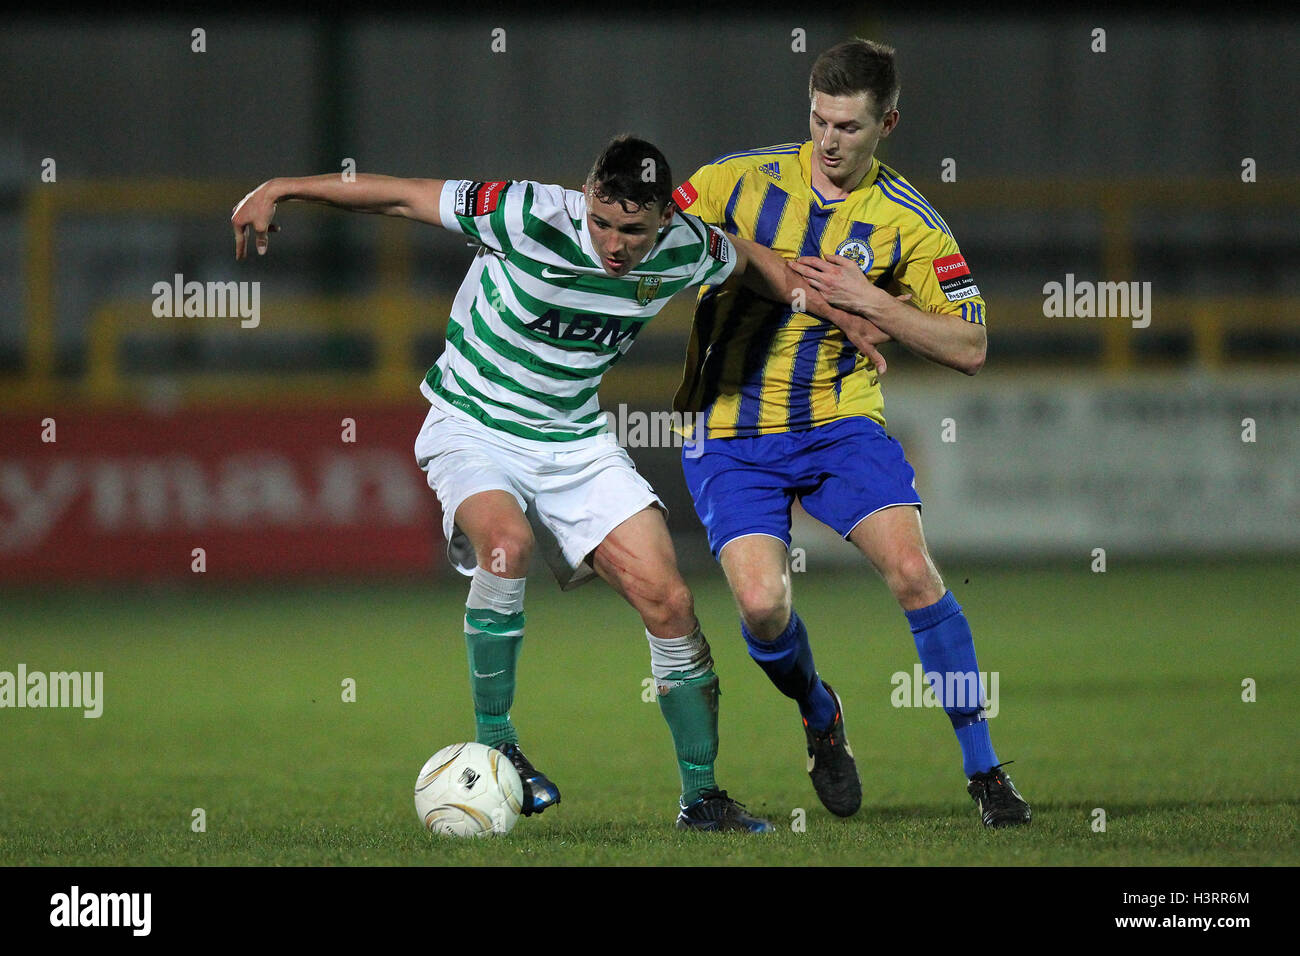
<point>632,173</point>
<point>857,66</point>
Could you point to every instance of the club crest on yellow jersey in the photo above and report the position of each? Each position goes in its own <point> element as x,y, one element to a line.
<point>858,251</point>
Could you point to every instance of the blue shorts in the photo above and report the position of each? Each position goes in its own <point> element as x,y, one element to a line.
<point>840,473</point>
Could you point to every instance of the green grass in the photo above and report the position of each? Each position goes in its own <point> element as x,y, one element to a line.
<point>1119,690</point>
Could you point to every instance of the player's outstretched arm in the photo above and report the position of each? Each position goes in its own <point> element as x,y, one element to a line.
<point>765,272</point>
<point>946,339</point>
<point>416,199</point>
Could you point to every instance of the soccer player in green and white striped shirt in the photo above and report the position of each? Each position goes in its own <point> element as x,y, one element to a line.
<point>515,445</point>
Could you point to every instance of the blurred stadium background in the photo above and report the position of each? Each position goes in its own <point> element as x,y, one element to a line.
<point>1081,433</point>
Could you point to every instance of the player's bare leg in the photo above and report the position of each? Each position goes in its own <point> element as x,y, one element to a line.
<point>638,561</point>
<point>893,541</point>
<point>494,628</point>
<point>758,570</point>
<point>498,530</point>
<point>757,567</point>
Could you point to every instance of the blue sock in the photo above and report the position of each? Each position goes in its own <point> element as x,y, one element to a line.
<point>947,651</point>
<point>788,663</point>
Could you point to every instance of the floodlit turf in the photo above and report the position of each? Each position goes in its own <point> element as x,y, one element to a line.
<point>1120,691</point>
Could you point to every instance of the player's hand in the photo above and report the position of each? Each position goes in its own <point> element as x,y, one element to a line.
<point>843,283</point>
<point>863,334</point>
<point>255,211</point>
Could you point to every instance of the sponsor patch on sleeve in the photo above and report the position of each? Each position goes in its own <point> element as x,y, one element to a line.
<point>685,195</point>
<point>954,277</point>
<point>719,247</point>
<point>478,199</point>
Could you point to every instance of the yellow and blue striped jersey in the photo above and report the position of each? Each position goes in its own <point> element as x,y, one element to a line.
<point>755,367</point>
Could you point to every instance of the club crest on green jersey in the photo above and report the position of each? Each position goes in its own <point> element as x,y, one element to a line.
<point>858,251</point>
<point>647,289</point>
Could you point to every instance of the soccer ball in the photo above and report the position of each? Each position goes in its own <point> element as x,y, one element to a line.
<point>469,789</point>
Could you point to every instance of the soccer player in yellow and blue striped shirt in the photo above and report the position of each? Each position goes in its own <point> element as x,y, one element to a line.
<point>793,410</point>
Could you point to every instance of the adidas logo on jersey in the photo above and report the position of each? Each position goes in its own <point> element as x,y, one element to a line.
<point>772,169</point>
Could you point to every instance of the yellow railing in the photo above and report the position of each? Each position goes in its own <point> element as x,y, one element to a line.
<point>388,315</point>
<point>392,316</point>
<point>391,322</point>
<point>1118,202</point>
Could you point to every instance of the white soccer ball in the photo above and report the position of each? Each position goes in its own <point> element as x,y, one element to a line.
<point>469,789</point>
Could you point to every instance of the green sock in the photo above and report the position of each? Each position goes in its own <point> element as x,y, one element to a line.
<point>493,641</point>
<point>691,709</point>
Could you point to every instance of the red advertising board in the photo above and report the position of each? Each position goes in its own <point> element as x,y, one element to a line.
<point>264,493</point>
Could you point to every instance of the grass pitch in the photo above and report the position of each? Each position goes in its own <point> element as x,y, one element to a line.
<point>1120,691</point>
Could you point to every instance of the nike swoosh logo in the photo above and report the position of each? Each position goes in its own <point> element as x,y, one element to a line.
<point>493,674</point>
<point>547,273</point>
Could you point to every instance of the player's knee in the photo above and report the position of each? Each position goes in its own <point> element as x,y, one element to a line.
<point>670,609</point>
<point>914,580</point>
<point>507,552</point>
<point>764,607</point>
<point>679,605</point>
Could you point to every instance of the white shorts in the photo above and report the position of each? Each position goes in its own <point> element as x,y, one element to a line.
<point>573,493</point>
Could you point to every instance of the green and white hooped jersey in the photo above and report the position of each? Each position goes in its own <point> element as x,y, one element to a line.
<point>537,321</point>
